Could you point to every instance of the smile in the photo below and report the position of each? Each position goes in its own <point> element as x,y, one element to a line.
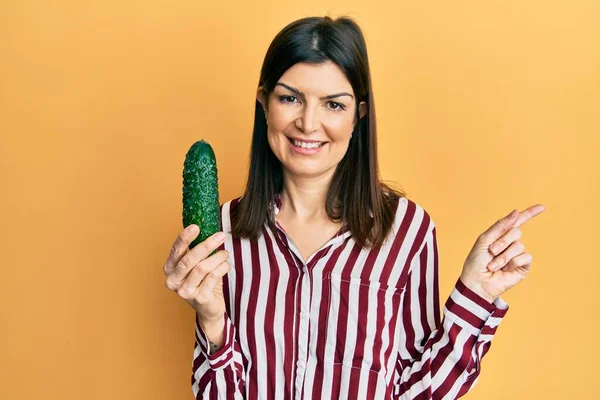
<point>306,145</point>
<point>306,148</point>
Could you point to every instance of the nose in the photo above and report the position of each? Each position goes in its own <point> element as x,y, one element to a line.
<point>308,121</point>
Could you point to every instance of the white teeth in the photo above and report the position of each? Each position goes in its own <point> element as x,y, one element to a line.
<point>305,145</point>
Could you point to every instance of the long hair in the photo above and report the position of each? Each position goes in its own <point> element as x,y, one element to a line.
<point>356,194</point>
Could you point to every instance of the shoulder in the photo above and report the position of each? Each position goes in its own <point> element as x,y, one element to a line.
<point>413,222</point>
<point>226,208</point>
<point>230,204</point>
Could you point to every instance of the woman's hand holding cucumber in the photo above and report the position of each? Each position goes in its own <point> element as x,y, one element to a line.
<point>196,276</point>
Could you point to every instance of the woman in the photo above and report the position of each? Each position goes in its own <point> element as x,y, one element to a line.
<point>331,277</point>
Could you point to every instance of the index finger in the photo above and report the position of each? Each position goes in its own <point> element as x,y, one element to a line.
<point>529,213</point>
<point>182,266</point>
<point>180,246</point>
<point>514,219</point>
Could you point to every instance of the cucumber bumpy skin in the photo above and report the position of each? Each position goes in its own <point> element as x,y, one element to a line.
<point>201,191</point>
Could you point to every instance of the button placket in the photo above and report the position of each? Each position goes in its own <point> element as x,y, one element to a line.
<point>303,330</point>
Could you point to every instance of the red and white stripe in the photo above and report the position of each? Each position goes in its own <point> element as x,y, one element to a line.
<point>347,323</point>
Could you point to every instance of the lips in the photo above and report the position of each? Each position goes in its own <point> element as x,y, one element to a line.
<point>306,151</point>
<point>306,144</point>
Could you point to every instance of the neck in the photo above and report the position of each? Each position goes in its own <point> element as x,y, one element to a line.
<point>303,198</point>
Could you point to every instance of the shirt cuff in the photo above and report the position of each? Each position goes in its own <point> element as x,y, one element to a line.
<point>222,357</point>
<point>472,312</point>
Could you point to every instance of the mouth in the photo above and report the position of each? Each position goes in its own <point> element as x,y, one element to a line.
<point>306,145</point>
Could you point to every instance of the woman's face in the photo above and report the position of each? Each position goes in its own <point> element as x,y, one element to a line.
<point>311,105</point>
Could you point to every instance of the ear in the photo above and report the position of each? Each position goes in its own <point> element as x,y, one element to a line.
<point>260,96</point>
<point>362,109</point>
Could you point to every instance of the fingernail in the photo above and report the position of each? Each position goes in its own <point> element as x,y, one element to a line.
<point>494,248</point>
<point>193,229</point>
<point>492,266</point>
<point>219,236</point>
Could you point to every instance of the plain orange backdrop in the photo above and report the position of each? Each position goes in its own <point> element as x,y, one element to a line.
<point>482,107</point>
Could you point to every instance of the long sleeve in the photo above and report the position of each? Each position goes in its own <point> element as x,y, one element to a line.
<point>219,375</point>
<point>441,359</point>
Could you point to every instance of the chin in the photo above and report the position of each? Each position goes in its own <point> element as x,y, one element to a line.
<point>307,171</point>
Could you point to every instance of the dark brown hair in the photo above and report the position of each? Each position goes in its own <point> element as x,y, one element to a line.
<point>356,189</point>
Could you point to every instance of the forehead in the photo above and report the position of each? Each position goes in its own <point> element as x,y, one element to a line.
<point>317,79</point>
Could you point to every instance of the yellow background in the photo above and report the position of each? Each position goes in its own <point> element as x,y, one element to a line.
<point>482,107</point>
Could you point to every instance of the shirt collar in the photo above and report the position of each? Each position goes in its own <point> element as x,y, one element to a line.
<point>275,206</point>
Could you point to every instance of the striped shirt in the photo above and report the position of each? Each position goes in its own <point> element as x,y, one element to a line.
<point>347,323</point>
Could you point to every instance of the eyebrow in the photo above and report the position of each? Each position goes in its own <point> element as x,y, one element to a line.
<point>298,92</point>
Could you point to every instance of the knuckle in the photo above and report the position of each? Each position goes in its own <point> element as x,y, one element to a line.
<point>185,263</point>
<point>504,223</point>
<point>524,260</point>
<point>174,253</point>
<point>184,292</point>
<point>183,236</point>
<point>224,255</point>
<point>193,271</point>
<point>202,268</point>
<point>170,285</point>
<point>204,247</point>
<point>197,270</point>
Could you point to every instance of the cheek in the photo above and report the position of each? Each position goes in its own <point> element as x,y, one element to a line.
<point>277,142</point>
<point>280,117</point>
<point>271,138</point>
<point>339,129</point>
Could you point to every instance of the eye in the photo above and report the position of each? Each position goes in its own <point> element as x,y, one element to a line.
<point>335,106</point>
<point>287,99</point>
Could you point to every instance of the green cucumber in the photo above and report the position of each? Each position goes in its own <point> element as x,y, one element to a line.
<point>201,191</point>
